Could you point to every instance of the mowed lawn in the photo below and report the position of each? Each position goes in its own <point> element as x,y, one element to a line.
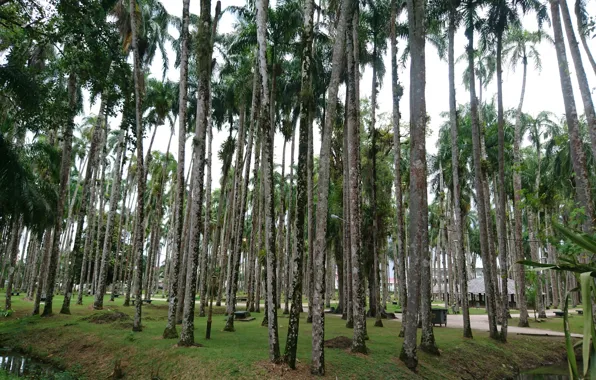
<point>92,350</point>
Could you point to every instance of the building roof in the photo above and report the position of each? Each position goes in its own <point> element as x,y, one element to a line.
<point>476,286</point>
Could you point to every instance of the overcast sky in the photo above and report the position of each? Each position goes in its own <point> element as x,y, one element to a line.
<point>543,90</point>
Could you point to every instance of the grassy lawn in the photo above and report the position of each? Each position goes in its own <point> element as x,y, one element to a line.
<point>576,323</point>
<point>91,350</point>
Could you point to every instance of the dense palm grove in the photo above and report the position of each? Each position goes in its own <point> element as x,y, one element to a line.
<point>88,207</point>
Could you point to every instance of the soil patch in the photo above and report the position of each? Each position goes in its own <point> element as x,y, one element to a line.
<point>339,342</point>
<point>107,317</point>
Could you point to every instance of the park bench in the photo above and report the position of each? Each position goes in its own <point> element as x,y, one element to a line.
<point>559,314</point>
<point>243,316</point>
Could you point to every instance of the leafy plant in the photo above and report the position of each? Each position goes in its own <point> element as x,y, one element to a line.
<point>585,273</point>
<point>6,313</point>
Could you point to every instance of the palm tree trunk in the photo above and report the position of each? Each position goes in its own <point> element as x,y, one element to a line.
<point>301,188</point>
<point>582,79</point>
<point>140,173</point>
<point>582,184</point>
<point>500,184</point>
<point>397,92</point>
<point>13,251</point>
<point>236,226</point>
<point>353,133</point>
<point>349,309</point>
<point>289,229</point>
<point>582,34</point>
<point>517,211</point>
<point>480,190</point>
<point>310,216</point>
<point>204,74</point>
<point>62,193</point>
<point>320,245</point>
<point>170,330</point>
<point>42,273</point>
<point>107,243</point>
<point>255,238</point>
<point>268,132</point>
<point>206,228</point>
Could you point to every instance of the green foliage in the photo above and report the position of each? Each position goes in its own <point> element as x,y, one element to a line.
<point>585,273</point>
<point>6,313</point>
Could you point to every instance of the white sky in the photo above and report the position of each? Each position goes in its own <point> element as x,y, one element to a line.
<point>543,91</point>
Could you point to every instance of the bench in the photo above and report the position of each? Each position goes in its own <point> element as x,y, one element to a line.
<point>559,314</point>
<point>241,314</point>
<point>580,312</point>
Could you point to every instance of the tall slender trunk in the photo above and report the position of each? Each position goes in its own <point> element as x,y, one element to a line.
<point>255,238</point>
<point>320,245</point>
<point>170,330</point>
<point>204,74</point>
<point>397,92</point>
<point>306,102</point>
<point>289,229</point>
<point>89,238</point>
<point>500,184</point>
<point>13,251</point>
<point>140,172</point>
<point>583,33</point>
<point>107,243</point>
<point>206,227</point>
<point>480,189</point>
<point>582,184</point>
<point>349,310</point>
<point>62,193</point>
<point>517,210</point>
<point>580,72</point>
<point>375,307</point>
<point>236,226</point>
<point>310,211</point>
<point>418,231</point>
<point>353,133</point>
<point>458,213</point>
<point>42,274</point>
<point>268,132</point>
<point>88,185</point>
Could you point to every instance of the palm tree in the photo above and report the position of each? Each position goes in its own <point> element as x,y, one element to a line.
<point>62,193</point>
<point>582,79</point>
<point>582,18</point>
<point>453,20</point>
<point>318,335</point>
<point>501,16</point>
<point>397,93</point>
<point>114,199</point>
<point>479,175</point>
<point>520,46</point>
<point>204,55</point>
<point>140,209</point>
<point>582,184</point>
<point>352,130</point>
<point>267,134</point>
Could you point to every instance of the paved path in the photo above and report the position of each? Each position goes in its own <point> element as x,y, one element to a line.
<point>480,322</point>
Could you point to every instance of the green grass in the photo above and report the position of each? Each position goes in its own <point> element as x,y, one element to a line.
<point>576,323</point>
<point>91,350</point>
